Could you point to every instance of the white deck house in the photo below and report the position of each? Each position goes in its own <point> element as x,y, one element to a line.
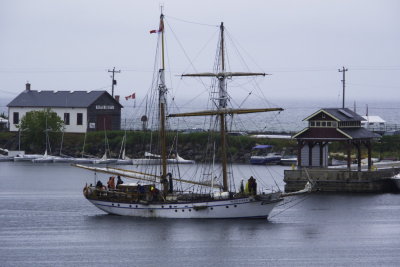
<point>81,110</point>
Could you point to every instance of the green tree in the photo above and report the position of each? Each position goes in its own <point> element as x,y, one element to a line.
<point>4,116</point>
<point>34,126</point>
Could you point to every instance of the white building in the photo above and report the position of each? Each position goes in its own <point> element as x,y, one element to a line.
<point>81,111</point>
<point>374,123</point>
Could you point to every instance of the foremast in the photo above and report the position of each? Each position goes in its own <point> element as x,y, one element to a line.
<point>162,91</point>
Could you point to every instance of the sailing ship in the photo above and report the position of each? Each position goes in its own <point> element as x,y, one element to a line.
<point>157,194</point>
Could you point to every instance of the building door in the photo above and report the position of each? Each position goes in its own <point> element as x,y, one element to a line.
<point>104,122</point>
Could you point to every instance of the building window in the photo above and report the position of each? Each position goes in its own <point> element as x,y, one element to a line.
<point>15,117</point>
<point>79,119</point>
<point>318,124</point>
<point>328,123</point>
<point>66,118</point>
<point>323,124</point>
<point>312,123</point>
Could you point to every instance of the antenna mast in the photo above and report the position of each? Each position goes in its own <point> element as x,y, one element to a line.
<point>343,82</point>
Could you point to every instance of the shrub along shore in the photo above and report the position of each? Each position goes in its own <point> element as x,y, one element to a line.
<point>188,145</point>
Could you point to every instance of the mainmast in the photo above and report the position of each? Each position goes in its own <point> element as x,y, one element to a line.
<point>162,90</point>
<point>222,110</point>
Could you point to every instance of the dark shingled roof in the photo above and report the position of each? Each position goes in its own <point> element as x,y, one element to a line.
<point>342,114</point>
<point>75,99</point>
<point>360,133</point>
<point>356,133</point>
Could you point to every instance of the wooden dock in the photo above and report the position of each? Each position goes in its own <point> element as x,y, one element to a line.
<point>378,180</point>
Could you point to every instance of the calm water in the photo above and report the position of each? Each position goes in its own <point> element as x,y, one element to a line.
<point>45,221</point>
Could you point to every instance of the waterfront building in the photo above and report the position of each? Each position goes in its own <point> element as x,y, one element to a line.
<point>332,125</point>
<point>374,123</point>
<point>81,111</point>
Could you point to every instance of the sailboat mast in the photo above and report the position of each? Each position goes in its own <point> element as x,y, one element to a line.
<point>222,105</point>
<point>162,103</point>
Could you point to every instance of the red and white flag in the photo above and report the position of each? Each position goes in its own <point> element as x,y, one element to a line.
<point>160,28</point>
<point>133,96</point>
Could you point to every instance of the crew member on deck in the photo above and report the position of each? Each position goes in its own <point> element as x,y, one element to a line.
<point>171,183</point>
<point>111,183</point>
<point>252,185</point>
<point>119,180</point>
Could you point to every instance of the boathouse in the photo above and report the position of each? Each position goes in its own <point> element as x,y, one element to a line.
<point>81,111</point>
<point>329,125</point>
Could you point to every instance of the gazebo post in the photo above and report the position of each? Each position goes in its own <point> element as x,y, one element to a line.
<point>358,146</point>
<point>310,147</point>
<point>300,145</point>
<point>348,155</point>
<point>368,144</point>
<point>321,150</point>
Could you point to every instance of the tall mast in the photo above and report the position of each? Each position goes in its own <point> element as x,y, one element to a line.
<point>162,89</point>
<point>223,97</point>
<point>222,110</point>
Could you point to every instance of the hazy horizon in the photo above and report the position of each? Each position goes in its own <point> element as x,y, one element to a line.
<point>70,45</point>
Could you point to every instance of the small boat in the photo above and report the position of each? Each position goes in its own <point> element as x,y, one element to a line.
<point>63,159</point>
<point>84,160</point>
<point>44,159</point>
<point>153,159</point>
<point>105,160</point>
<point>396,180</point>
<point>289,160</point>
<point>27,157</point>
<point>6,158</point>
<point>123,159</point>
<point>264,154</point>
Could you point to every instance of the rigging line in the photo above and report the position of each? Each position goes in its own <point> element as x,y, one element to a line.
<point>272,176</point>
<point>191,22</point>
<point>184,52</point>
<point>375,69</point>
<point>255,84</point>
<point>243,62</point>
<point>50,71</point>
<point>11,93</point>
<point>203,48</point>
<point>238,53</point>
<point>295,204</point>
<point>372,85</point>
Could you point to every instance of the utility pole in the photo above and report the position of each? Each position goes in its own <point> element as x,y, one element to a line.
<point>114,82</point>
<point>343,82</point>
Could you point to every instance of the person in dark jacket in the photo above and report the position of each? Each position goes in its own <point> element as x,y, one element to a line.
<point>119,180</point>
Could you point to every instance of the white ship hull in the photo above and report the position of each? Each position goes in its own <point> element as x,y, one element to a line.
<point>246,207</point>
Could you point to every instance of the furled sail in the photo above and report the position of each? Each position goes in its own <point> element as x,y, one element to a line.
<point>226,111</point>
<point>224,74</point>
<point>139,175</point>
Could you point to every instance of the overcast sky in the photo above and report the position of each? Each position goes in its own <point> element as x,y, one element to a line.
<point>70,45</point>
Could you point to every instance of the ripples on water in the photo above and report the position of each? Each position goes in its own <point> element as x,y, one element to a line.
<point>45,221</point>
